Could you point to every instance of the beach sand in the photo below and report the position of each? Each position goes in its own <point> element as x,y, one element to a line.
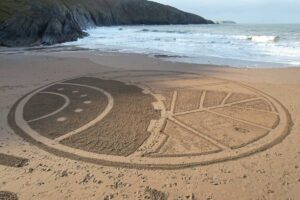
<point>260,159</point>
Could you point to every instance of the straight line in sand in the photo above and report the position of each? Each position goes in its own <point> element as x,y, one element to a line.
<point>205,137</point>
<point>173,103</point>
<point>214,107</point>
<point>253,109</point>
<point>202,99</point>
<point>227,97</point>
<point>240,120</point>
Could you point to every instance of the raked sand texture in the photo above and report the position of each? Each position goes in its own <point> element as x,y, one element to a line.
<point>100,127</point>
<point>110,122</point>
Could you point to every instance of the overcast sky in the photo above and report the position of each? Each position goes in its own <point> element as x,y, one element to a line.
<point>242,11</point>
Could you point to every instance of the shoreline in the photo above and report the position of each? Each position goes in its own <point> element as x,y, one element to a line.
<point>237,47</point>
<point>221,62</point>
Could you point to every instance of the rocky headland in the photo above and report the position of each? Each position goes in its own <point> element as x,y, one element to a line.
<point>36,22</point>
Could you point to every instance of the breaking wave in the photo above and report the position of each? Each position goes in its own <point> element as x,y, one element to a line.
<point>261,38</point>
<point>163,31</point>
<point>246,45</point>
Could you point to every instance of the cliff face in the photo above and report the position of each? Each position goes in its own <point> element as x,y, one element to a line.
<point>35,22</point>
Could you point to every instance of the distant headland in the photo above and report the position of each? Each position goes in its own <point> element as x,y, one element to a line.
<point>225,22</point>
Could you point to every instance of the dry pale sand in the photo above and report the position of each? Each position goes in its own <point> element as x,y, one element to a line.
<point>208,136</point>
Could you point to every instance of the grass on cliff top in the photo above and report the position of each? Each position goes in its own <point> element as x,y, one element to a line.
<point>9,8</point>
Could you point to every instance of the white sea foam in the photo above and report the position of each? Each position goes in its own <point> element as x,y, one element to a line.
<point>260,38</point>
<point>250,45</point>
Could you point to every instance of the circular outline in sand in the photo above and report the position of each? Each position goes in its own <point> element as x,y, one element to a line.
<point>278,134</point>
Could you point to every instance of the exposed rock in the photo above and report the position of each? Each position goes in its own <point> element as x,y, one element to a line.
<point>35,22</point>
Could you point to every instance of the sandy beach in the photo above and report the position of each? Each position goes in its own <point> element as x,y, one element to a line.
<point>149,129</point>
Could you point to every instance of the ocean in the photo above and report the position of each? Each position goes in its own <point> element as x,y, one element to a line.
<point>228,44</point>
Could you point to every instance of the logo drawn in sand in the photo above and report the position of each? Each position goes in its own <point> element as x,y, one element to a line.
<point>150,119</point>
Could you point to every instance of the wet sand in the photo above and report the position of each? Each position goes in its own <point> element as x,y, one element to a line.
<point>187,92</point>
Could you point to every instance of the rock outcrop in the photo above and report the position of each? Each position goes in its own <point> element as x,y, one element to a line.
<point>35,22</point>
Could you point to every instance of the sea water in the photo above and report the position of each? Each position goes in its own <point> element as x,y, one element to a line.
<point>231,44</point>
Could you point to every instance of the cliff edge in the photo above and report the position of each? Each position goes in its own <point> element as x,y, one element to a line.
<point>35,22</point>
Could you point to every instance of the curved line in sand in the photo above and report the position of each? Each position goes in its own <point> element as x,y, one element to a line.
<point>67,102</point>
<point>97,119</point>
<point>22,123</point>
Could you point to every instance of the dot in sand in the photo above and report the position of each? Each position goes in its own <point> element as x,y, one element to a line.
<point>87,102</point>
<point>61,119</point>
<point>83,95</point>
<point>75,91</point>
<point>78,110</point>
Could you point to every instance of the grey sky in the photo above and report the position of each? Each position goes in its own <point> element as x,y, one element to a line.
<point>242,11</point>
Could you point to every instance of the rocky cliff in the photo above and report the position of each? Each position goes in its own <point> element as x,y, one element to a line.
<point>35,22</point>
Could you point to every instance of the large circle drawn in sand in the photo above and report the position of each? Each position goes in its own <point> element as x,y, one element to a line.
<point>150,119</point>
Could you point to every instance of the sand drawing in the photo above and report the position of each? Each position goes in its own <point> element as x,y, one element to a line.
<point>147,119</point>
